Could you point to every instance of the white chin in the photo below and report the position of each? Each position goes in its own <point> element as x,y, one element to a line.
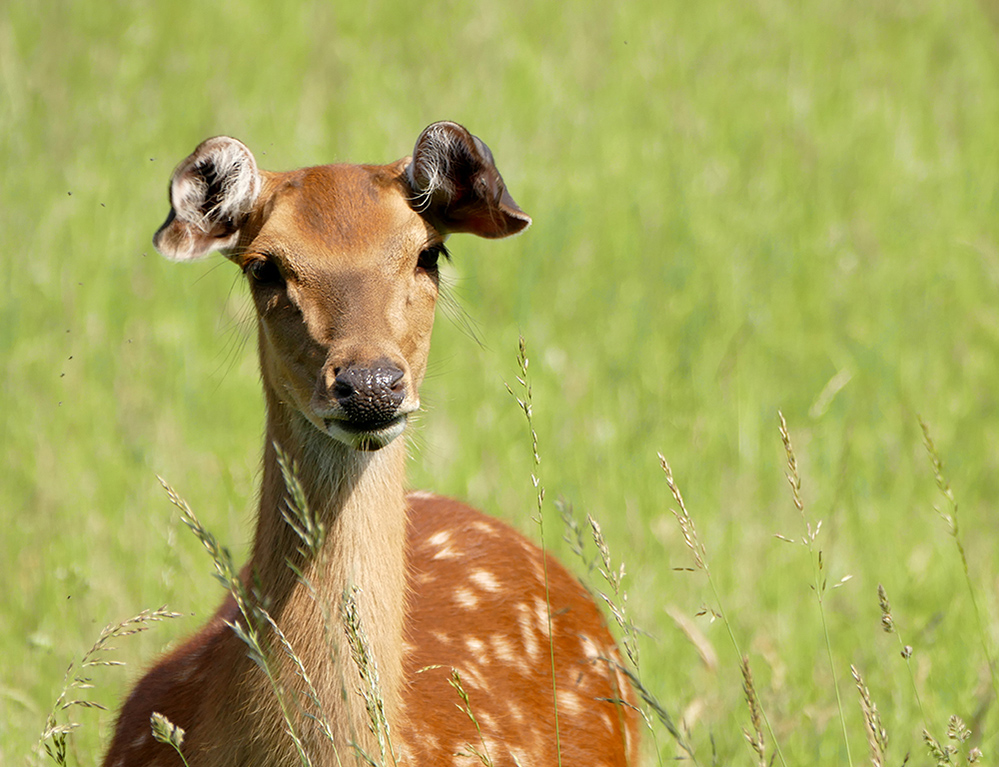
<point>366,440</point>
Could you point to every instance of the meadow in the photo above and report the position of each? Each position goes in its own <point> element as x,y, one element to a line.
<point>739,209</point>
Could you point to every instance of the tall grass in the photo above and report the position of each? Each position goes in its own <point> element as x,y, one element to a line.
<point>59,724</point>
<point>951,751</point>
<point>737,208</point>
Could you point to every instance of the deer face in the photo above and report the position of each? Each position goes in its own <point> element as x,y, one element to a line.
<point>343,273</point>
<point>342,264</point>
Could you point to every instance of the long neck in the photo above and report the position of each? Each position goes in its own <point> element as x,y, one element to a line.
<point>358,499</point>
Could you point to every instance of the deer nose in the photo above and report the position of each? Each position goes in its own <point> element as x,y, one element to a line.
<point>369,395</point>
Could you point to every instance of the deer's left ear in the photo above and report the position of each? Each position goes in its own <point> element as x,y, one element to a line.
<point>456,185</point>
<point>212,193</point>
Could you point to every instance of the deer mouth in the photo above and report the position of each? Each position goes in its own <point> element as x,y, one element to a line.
<point>366,435</point>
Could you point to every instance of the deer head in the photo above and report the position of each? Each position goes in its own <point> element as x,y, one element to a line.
<point>342,264</point>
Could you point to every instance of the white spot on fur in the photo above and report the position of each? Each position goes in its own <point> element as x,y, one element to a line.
<point>466,599</point>
<point>608,723</point>
<point>471,677</point>
<point>475,647</point>
<point>541,615</point>
<point>485,528</point>
<point>491,746</point>
<point>485,580</point>
<point>617,664</point>
<point>515,713</point>
<point>430,742</point>
<point>595,655</point>
<point>622,683</point>
<point>440,539</point>
<point>489,721</point>
<point>422,495</point>
<point>447,552</point>
<point>502,649</point>
<point>570,703</point>
<point>525,620</point>
<point>589,647</point>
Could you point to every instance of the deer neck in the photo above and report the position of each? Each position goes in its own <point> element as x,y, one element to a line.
<point>358,498</point>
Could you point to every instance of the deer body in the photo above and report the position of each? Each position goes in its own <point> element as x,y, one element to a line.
<point>342,266</point>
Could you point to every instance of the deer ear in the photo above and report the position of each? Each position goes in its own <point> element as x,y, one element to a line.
<point>212,193</point>
<point>456,185</point>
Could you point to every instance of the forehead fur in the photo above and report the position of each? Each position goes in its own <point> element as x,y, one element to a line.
<point>345,205</point>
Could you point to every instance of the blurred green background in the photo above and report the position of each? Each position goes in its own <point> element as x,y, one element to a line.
<point>738,207</point>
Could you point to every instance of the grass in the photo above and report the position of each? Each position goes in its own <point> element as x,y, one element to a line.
<point>738,209</point>
<point>524,396</point>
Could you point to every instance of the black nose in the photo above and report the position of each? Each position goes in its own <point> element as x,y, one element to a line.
<point>369,396</point>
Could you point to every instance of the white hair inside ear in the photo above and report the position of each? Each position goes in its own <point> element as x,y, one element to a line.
<point>454,183</point>
<point>429,174</point>
<point>212,192</point>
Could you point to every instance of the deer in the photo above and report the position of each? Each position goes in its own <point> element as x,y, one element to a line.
<point>485,650</point>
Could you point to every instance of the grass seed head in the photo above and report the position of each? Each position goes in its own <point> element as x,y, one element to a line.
<point>165,731</point>
<point>887,621</point>
<point>877,735</point>
<point>754,738</point>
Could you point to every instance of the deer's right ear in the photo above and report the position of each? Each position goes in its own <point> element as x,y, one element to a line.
<point>212,193</point>
<point>456,184</point>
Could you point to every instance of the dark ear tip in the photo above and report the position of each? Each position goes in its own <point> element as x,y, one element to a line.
<point>517,218</point>
<point>516,222</point>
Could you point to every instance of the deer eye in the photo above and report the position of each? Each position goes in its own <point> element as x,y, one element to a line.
<point>429,256</point>
<point>263,271</point>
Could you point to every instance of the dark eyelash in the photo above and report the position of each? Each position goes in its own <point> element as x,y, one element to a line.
<point>429,257</point>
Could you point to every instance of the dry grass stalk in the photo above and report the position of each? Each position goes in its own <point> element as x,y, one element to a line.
<point>573,533</point>
<point>317,714</point>
<point>687,528</point>
<point>754,738</point>
<point>699,551</point>
<point>250,629</point>
<point>951,519</point>
<point>297,513</point>
<point>55,736</point>
<point>820,582</point>
<point>165,731</point>
<point>887,621</point>
<point>526,404</point>
<point>877,735</point>
<point>617,603</point>
<point>888,625</point>
<point>360,653</point>
<point>466,708</point>
<point>950,754</point>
